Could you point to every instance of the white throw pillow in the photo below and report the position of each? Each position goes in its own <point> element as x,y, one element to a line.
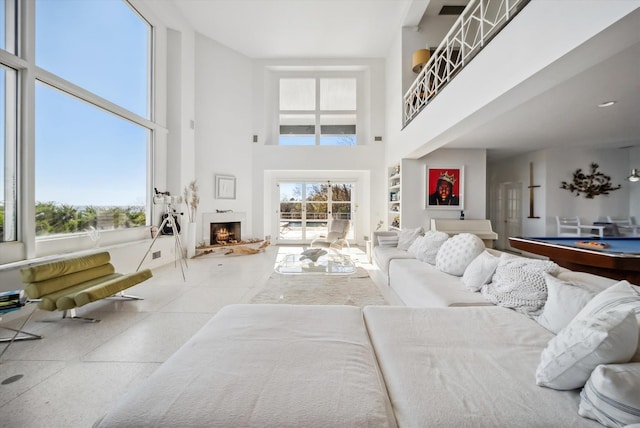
<point>457,252</point>
<point>586,280</point>
<point>407,236</point>
<point>605,331</point>
<point>612,395</point>
<point>564,301</point>
<point>388,241</point>
<point>518,284</point>
<point>415,247</point>
<point>480,271</point>
<point>430,244</point>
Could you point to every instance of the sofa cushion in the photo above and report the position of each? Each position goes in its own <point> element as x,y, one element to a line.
<point>605,331</point>
<point>429,246</point>
<point>586,280</point>
<point>265,366</point>
<point>457,252</point>
<point>564,301</point>
<point>611,396</point>
<point>51,285</point>
<point>420,284</point>
<point>466,367</point>
<point>518,284</point>
<point>383,255</point>
<point>388,241</point>
<point>60,268</point>
<point>407,236</point>
<point>480,271</point>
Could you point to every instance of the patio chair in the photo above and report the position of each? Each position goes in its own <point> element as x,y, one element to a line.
<point>625,224</point>
<point>571,226</point>
<point>337,236</point>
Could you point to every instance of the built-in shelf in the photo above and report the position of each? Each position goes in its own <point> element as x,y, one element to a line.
<point>394,196</point>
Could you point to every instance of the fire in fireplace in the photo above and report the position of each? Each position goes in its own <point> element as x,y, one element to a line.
<point>225,233</point>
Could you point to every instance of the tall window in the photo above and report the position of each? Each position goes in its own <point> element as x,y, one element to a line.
<point>317,111</point>
<point>8,156</point>
<point>91,157</point>
<point>8,127</point>
<point>90,166</point>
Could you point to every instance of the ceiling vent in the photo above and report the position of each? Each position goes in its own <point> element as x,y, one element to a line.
<point>451,10</point>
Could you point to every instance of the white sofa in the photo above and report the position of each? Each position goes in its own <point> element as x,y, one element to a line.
<point>417,283</point>
<point>386,366</point>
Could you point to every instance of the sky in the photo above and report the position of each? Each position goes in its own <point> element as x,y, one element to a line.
<point>84,155</point>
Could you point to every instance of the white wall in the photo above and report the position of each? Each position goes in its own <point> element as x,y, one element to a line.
<point>363,163</point>
<point>413,200</point>
<point>634,188</point>
<point>551,168</point>
<point>223,99</point>
<point>515,170</point>
<point>561,164</point>
<point>365,160</point>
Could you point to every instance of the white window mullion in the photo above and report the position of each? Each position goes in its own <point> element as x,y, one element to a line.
<point>317,112</point>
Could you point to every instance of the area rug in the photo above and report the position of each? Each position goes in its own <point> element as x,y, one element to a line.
<point>355,290</point>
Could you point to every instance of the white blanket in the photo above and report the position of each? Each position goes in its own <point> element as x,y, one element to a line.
<point>467,367</point>
<point>265,366</point>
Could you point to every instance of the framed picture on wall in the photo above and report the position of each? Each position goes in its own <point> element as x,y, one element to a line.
<point>445,187</point>
<point>225,187</point>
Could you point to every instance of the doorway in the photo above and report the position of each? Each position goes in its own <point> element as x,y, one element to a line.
<point>307,208</point>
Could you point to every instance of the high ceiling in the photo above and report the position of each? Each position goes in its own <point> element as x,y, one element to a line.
<point>365,29</point>
<point>299,28</point>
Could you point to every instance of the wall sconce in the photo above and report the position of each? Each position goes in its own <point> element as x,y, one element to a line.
<point>420,58</point>
<point>634,177</point>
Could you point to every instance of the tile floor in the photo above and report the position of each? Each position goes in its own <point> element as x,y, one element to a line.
<point>71,376</point>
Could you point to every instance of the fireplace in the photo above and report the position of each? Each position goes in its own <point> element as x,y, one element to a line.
<point>225,233</point>
<point>223,226</point>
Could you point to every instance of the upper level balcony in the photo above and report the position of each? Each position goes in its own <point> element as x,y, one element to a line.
<point>480,21</point>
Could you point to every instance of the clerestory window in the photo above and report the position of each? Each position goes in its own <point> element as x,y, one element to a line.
<point>318,111</point>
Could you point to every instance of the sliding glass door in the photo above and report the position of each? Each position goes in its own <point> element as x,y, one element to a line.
<point>306,209</point>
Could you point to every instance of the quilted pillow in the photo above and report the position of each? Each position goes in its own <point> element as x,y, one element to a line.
<point>605,331</point>
<point>429,246</point>
<point>611,395</point>
<point>564,301</point>
<point>518,284</point>
<point>406,237</point>
<point>457,252</point>
<point>480,271</point>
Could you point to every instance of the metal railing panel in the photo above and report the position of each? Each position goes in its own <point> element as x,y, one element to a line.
<point>477,25</point>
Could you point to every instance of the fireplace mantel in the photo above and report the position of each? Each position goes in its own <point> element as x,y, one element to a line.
<point>228,217</point>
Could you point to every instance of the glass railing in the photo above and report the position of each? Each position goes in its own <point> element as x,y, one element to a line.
<point>479,22</point>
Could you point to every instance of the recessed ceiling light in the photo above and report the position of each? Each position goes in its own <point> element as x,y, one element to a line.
<point>606,104</point>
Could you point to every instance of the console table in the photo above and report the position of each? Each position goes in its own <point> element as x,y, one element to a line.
<point>480,228</point>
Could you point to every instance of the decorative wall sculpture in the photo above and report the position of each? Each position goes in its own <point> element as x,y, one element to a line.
<point>593,184</point>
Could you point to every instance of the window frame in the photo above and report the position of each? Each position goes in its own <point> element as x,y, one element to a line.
<point>318,74</point>
<point>27,246</point>
<point>81,94</point>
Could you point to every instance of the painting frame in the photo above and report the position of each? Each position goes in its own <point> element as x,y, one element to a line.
<point>225,186</point>
<point>448,173</point>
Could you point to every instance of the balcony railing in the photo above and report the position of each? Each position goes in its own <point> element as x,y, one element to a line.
<point>479,22</point>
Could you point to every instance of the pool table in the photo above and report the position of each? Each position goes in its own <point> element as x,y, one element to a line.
<point>620,259</point>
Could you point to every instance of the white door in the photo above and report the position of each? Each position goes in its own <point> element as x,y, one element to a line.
<point>509,210</point>
<point>306,209</point>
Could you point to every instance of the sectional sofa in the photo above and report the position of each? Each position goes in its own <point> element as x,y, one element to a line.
<point>530,345</point>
